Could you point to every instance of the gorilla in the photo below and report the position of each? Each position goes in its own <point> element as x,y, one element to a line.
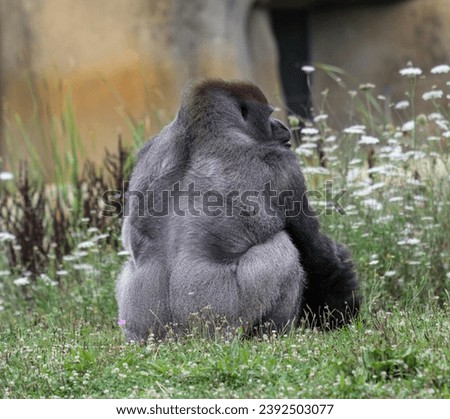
<point>217,224</point>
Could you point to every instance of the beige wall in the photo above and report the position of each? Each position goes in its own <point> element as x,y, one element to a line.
<point>124,59</point>
<point>130,58</point>
<point>372,43</point>
<point>110,54</point>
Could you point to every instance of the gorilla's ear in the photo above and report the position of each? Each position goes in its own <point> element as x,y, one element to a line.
<point>244,110</point>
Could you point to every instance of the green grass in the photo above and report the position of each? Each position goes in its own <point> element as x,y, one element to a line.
<point>80,353</point>
<point>59,335</point>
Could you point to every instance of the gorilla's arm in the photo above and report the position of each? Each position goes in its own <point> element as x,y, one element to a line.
<point>143,285</point>
<point>331,280</point>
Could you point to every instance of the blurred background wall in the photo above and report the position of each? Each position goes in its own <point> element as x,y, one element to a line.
<point>124,62</point>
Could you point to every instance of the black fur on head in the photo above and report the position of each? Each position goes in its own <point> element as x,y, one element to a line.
<point>206,89</point>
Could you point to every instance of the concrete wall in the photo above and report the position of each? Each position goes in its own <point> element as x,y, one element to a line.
<point>128,59</point>
<point>123,59</point>
<point>372,43</point>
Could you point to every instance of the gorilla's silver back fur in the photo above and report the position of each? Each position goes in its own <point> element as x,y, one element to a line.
<point>246,265</point>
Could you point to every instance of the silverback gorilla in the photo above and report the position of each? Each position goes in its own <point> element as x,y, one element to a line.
<point>217,222</point>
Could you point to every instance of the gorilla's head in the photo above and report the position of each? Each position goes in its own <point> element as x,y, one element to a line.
<point>237,106</point>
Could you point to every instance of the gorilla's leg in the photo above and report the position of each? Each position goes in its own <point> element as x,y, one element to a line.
<point>267,279</point>
<point>142,296</point>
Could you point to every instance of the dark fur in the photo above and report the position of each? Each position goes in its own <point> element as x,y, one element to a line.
<point>247,269</point>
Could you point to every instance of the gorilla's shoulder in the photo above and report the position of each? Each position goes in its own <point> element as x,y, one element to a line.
<point>145,148</point>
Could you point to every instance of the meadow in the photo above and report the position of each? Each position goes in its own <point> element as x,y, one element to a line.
<point>59,259</point>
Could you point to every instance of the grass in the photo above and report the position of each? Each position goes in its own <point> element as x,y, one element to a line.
<point>388,354</point>
<point>58,327</point>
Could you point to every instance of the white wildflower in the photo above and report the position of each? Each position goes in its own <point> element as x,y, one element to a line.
<point>367,139</point>
<point>5,273</point>
<point>387,170</point>
<point>77,254</point>
<point>316,171</point>
<point>46,280</point>
<point>377,185</point>
<point>6,176</point>
<point>385,219</point>
<point>353,174</point>
<point>62,273</point>
<point>309,131</point>
<point>366,86</point>
<point>396,199</point>
<point>123,253</point>
<point>442,124</point>
<point>21,281</point>
<point>385,149</point>
<point>432,94</point>
<point>304,151</point>
<point>44,277</point>
<point>440,69</point>
<point>446,134</point>
<point>6,237</point>
<point>448,275</point>
<point>433,138</point>
<point>321,117</point>
<point>354,161</point>
<point>372,204</point>
<point>373,262</point>
<point>414,182</point>
<point>308,69</point>
<point>410,71</point>
<point>99,237</point>
<point>390,274</point>
<point>416,155</point>
<point>311,146</point>
<point>331,150</point>
<point>408,126</point>
<point>403,104</point>
<point>420,198</point>
<point>355,129</point>
<point>83,267</point>
<point>435,116</point>
<point>368,189</point>
<point>411,242</point>
<point>330,139</point>
<point>85,245</point>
